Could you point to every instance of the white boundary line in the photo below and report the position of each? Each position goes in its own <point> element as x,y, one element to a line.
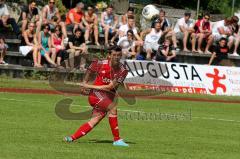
<point>123,110</point>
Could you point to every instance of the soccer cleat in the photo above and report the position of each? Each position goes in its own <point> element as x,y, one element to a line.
<point>120,143</point>
<point>68,139</point>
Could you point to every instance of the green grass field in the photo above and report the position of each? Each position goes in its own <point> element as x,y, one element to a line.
<point>29,128</point>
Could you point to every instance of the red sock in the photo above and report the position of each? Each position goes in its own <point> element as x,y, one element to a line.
<point>83,130</point>
<point>113,121</point>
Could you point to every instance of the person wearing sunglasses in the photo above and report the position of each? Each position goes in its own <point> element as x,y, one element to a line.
<point>52,17</point>
<point>90,20</point>
<point>203,31</point>
<point>44,43</point>
<point>28,14</point>
<point>5,18</point>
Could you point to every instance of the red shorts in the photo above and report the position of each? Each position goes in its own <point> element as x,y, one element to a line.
<point>100,100</point>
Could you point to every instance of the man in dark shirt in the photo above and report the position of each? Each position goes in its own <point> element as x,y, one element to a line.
<point>28,14</point>
<point>220,53</point>
<point>166,52</point>
<point>77,47</point>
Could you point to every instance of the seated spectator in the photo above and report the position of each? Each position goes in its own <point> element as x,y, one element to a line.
<point>77,47</point>
<point>184,29</point>
<point>52,17</point>
<point>222,29</point>
<point>44,42</point>
<point>203,30</point>
<point>220,53</point>
<point>152,39</point>
<point>109,23</point>
<point>234,38</point>
<point>165,27</point>
<point>127,44</point>
<point>58,47</point>
<point>90,20</point>
<point>74,17</point>
<point>28,14</point>
<point>3,50</point>
<point>29,44</point>
<point>166,52</point>
<point>131,26</point>
<point>130,12</point>
<point>5,18</point>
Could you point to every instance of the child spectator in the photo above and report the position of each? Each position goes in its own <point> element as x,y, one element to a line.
<point>3,49</point>
<point>166,52</point>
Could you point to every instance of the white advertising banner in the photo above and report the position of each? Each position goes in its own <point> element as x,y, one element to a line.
<point>183,78</point>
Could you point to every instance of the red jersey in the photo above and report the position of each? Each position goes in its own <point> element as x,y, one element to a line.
<point>106,74</point>
<point>77,16</point>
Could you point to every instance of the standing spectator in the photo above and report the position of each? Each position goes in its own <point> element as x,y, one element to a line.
<point>3,50</point>
<point>130,12</point>
<point>52,17</point>
<point>127,43</point>
<point>30,14</point>
<point>5,18</point>
<point>44,41</point>
<point>166,52</point>
<point>220,53</point>
<point>203,30</point>
<point>152,39</point>
<point>77,47</point>
<point>74,17</point>
<point>165,27</point>
<point>109,23</point>
<point>90,20</point>
<point>184,29</point>
<point>29,44</point>
<point>58,46</point>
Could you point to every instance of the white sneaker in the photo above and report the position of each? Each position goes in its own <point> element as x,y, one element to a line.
<point>3,63</point>
<point>235,54</point>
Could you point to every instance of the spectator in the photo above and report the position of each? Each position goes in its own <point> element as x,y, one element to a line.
<point>90,20</point>
<point>234,38</point>
<point>74,17</point>
<point>165,27</point>
<point>77,47</point>
<point>203,30</point>
<point>30,14</point>
<point>52,17</point>
<point>184,29</point>
<point>29,44</point>
<point>5,18</point>
<point>130,12</point>
<point>222,29</point>
<point>127,44</point>
<point>220,53</point>
<point>166,52</point>
<point>151,39</point>
<point>3,50</point>
<point>58,46</point>
<point>44,42</point>
<point>109,23</point>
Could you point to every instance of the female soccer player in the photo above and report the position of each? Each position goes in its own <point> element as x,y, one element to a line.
<point>110,74</point>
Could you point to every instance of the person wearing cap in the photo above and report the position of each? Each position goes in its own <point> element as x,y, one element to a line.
<point>184,28</point>
<point>74,17</point>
